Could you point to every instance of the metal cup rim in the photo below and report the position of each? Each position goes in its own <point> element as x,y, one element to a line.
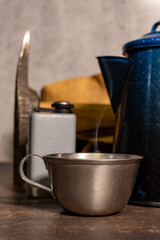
<point>93,158</point>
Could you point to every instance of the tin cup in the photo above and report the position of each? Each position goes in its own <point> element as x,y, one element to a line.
<point>89,183</point>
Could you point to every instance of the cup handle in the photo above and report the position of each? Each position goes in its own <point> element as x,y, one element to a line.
<point>26,179</point>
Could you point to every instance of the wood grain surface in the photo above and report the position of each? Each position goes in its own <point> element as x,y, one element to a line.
<point>27,219</point>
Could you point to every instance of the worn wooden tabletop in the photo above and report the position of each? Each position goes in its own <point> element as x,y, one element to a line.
<point>26,219</point>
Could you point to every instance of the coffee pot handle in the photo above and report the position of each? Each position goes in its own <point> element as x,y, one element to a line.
<point>29,181</point>
<point>155,26</point>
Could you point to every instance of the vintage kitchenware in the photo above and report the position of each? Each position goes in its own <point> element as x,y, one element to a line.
<point>89,183</point>
<point>133,84</point>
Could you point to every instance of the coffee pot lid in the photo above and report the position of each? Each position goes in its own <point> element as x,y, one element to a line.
<point>151,39</point>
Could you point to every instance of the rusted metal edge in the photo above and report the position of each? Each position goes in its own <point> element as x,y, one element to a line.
<point>26,99</point>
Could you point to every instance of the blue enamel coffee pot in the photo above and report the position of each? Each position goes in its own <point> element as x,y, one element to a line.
<point>133,84</point>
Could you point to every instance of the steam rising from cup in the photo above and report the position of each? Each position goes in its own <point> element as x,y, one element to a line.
<point>98,121</point>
